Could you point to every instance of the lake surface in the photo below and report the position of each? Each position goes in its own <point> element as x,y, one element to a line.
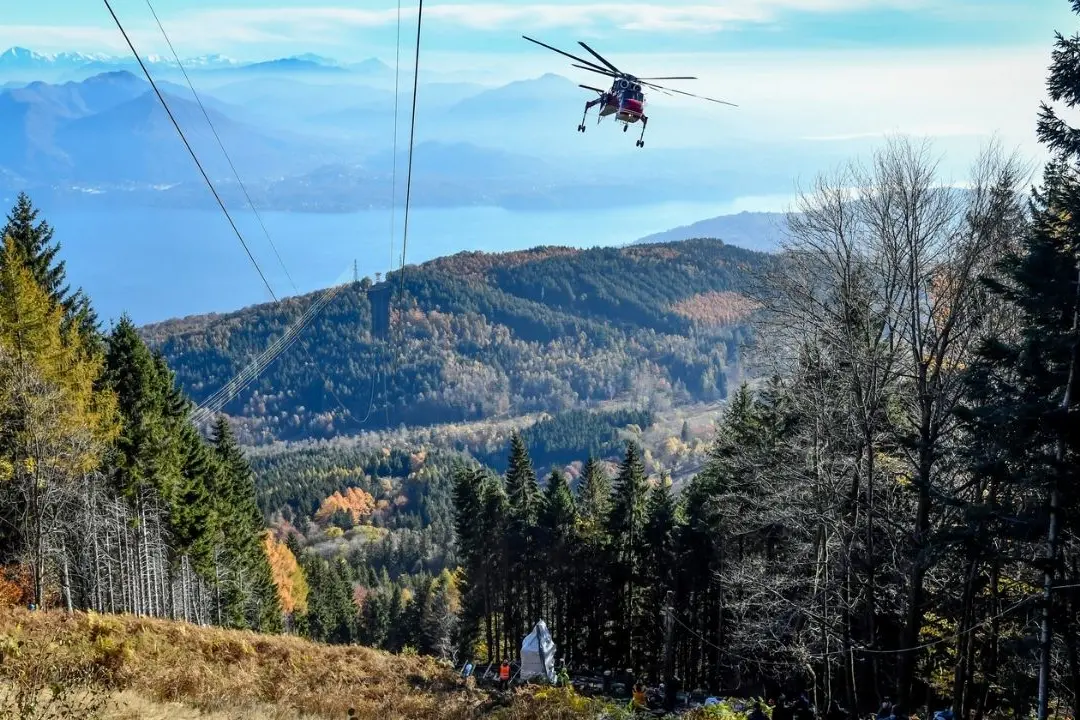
<point>157,264</point>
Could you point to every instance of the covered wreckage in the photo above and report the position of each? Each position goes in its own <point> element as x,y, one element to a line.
<point>538,654</point>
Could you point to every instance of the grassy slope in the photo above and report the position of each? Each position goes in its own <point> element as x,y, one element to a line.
<point>158,669</point>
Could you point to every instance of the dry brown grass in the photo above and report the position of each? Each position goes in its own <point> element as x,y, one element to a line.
<point>154,663</point>
<point>161,669</point>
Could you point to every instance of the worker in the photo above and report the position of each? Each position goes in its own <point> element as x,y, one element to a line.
<point>563,677</point>
<point>639,695</point>
<point>504,674</point>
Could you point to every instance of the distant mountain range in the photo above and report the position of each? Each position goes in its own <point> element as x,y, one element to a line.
<point>761,231</point>
<point>111,129</point>
<point>21,60</point>
<point>311,133</point>
<point>106,139</point>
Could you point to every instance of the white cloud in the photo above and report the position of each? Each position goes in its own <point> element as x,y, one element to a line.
<point>49,38</point>
<point>304,24</point>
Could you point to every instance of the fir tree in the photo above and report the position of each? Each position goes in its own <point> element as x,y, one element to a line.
<point>471,550</point>
<point>594,494</point>
<point>628,582</point>
<point>662,562</point>
<point>558,521</point>
<point>522,493</point>
<point>252,599</point>
<point>594,508</point>
<point>1025,390</point>
<point>35,239</point>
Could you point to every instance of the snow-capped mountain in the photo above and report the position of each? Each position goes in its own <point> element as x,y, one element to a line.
<point>18,59</point>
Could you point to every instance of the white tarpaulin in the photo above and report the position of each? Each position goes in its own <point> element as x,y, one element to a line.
<point>538,654</point>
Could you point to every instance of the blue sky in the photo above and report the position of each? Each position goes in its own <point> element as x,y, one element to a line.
<point>815,69</point>
<point>258,28</point>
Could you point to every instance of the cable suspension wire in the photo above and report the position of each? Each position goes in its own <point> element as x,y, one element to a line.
<point>221,145</point>
<point>237,384</point>
<point>412,142</point>
<point>241,380</point>
<point>194,157</point>
<point>397,99</point>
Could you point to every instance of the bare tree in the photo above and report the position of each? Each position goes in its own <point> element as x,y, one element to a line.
<point>872,311</point>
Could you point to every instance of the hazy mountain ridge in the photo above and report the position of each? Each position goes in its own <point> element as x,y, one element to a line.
<point>335,113</point>
<point>761,231</point>
<point>544,330</point>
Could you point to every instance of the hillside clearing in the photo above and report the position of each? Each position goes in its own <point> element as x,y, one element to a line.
<point>145,668</point>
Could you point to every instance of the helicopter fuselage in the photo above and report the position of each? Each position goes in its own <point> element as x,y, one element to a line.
<point>625,101</point>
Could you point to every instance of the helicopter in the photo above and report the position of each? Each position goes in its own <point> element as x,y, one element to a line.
<point>626,99</point>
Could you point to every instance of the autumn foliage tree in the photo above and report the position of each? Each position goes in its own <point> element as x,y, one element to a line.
<point>289,580</point>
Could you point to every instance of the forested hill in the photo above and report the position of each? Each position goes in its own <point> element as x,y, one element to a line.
<point>484,335</point>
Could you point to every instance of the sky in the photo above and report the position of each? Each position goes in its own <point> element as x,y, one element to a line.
<point>816,69</point>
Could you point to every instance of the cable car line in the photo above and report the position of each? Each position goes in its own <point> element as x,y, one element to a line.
<point>244,378</point>
<point>231,388</point>
<point>393,182</point>
<point>221,145</point>
<point>190,149</point>
<point>412,140</point>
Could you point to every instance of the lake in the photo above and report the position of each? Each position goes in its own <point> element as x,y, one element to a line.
<point>157,263</point>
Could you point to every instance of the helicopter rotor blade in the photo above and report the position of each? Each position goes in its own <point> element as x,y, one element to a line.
<point>600,57</point>
<point>561,52</point>
<point>589,87</point>
<point>699,97</point>
<point>599,71</point>
<point>669,78</point>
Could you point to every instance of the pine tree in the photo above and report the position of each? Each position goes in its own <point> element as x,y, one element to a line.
<point>1025,392</point>
<point>662,561</point>
<point>594,494</point>
<point>558,538</point>
<point>628,582</point>
<point>146,456</point>
<point>594,509</point>
<point>35,240</point>
<point>495,521</point>
<point>522,493</point>
<point>472,551</point>
<point>250,594</point>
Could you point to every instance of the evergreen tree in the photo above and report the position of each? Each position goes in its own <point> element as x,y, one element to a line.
<point>558,538</point>
<point>594,494</point>
<point>1025,391</point>
<point>628,582</point>
<point>495,521</point>
<point>661,566</point>
<point>522,493</point>
<point>146,456</point>
<point>35,239</point>
<point>251,597</point>
<point>594,509</point>
<point>440,617</point>
<point>472,552</point>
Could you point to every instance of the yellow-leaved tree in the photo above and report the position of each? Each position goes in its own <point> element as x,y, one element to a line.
<point>289,580</point>
<point>55,425</point>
